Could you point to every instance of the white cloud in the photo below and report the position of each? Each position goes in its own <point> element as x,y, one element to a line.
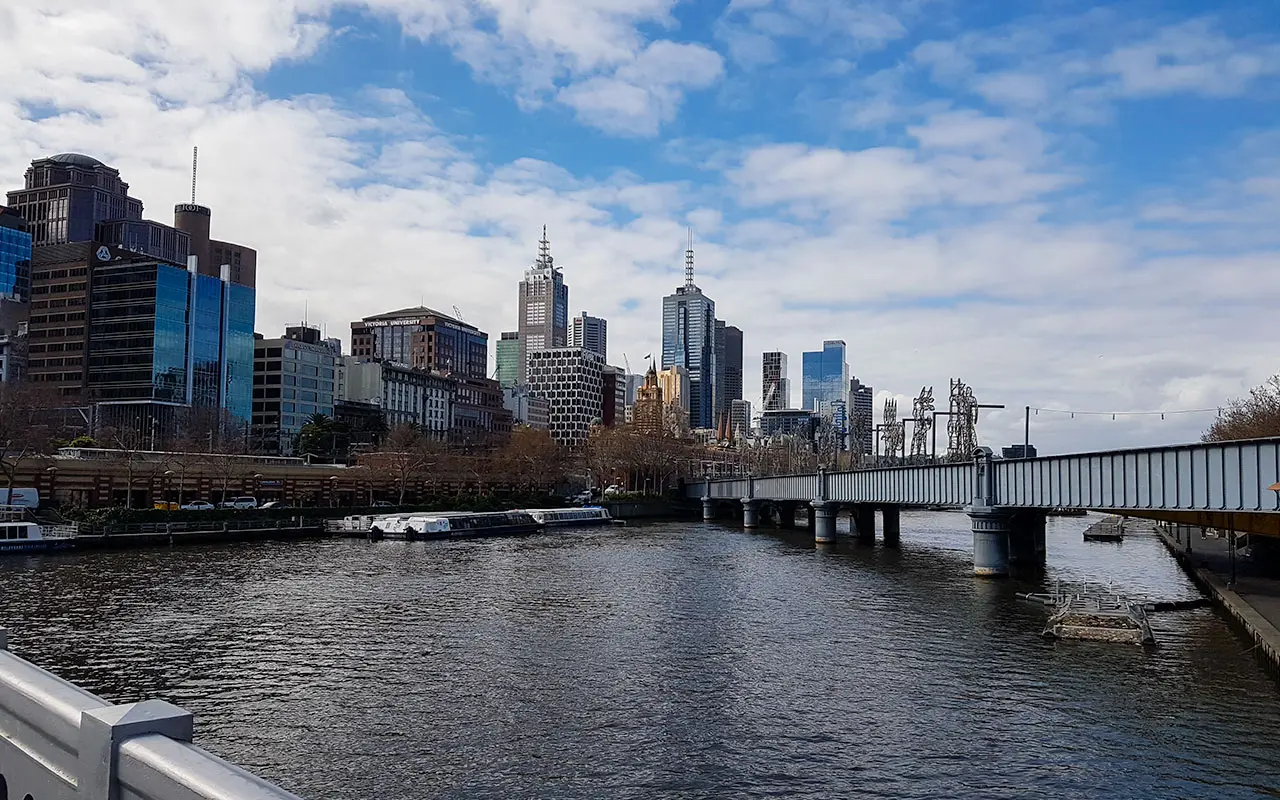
<point>751,28</point>
<point>1191,57</point>
<point>645,93</point>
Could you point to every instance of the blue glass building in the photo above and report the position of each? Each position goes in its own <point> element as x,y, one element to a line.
<point>689,341</point>
<point>826,378</point>
<point>15,256</point>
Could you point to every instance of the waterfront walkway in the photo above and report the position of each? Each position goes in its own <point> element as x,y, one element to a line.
<point>1253,600</point>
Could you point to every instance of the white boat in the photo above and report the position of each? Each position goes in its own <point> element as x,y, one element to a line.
<point>561,517</point>
<point>18,535</point>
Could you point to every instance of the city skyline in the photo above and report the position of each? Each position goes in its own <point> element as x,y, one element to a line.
<point>941,163</point>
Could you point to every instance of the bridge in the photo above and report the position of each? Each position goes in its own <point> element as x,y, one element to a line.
<point>1224,485</point>
<point>60,742</point>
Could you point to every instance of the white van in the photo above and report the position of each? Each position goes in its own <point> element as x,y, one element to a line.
<point>23,498</point>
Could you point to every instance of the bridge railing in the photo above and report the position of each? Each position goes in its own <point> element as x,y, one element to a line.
<point>60,742</point>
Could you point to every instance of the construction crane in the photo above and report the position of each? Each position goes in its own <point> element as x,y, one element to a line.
<point>627,363</point>
<point>457,312</point>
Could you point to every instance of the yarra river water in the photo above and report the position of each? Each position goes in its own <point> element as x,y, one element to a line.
<point>669,660</point>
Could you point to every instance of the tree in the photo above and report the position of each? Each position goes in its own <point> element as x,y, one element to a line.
<point>24,428</point>
<point>1254,417</point>
<point>405,454</point>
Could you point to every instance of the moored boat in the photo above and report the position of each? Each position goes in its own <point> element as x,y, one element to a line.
<point>565,517</point>
<point>452,525</point>
<point>19,535</point>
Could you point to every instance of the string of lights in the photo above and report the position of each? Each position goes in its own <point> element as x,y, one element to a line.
<point>1116,414</point>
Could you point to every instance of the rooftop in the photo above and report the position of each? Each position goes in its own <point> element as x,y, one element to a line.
<point>75,159</point>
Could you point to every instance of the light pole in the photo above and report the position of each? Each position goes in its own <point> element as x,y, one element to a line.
<point>53,482</point>
<point>333,490</point>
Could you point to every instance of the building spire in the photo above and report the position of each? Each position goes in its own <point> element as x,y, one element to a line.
<point>688,262</point>
<point>544,251</point>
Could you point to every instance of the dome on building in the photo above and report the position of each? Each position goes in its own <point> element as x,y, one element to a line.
<point>76,159</point>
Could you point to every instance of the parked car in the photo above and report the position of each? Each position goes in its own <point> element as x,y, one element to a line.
<point>383,504</point>
<point>275,504</point>
<point>197,505</point>
<point>612,489</point>
<point>240,503</point>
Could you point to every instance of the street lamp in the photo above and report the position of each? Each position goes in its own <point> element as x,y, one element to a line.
<point>333,490</point>
<point>53,482</point>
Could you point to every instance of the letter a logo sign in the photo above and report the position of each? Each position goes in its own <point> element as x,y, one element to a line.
<point>104,254</point>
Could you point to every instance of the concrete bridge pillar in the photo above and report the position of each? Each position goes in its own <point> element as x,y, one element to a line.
<point>708,509</point>
<point>824,521</point>
<point>811,516</point>
<point>863,525</point>
<point>891,524</point>
<point>990,540</point>
<point>750,512</point>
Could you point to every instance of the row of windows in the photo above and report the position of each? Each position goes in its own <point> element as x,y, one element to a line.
<point>74,316</point>
<point>36,363</point>
<point>56,347</point>
<point>51,377</point>
<point>59,288</point>
<point>55,333</point>
<point>63,302</point>
<point>57,274</point>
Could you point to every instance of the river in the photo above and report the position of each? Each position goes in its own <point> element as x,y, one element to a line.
<point>668,660</point>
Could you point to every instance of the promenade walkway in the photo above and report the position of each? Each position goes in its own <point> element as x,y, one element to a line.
<point>1254,598</point>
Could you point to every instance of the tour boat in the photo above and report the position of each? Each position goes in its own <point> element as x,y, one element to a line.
<point>564,517</point>
<point>17,536</point>
<point>454,525</point>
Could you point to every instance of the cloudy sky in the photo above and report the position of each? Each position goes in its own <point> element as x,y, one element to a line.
<point>1070,207</point>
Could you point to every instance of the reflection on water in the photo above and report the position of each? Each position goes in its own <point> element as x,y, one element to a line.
<point>666,660</point>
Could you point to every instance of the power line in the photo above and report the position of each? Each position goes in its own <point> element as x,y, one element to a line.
<point>1115,414</point>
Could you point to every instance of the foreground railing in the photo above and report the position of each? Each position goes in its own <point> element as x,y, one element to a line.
<point>59,742</point>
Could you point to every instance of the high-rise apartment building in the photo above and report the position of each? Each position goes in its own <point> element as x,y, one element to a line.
<point>65,197</point>
<point>297,375</point>
<point>507,356</point>
<point>589,333</point>
<point>740,418</point>
<point>776,388</point>
<point>826,377</point>
<point>689,341</point>
<point>861,410</point>
<point>728,367</point>
<point>572,381</point>
<point>544,307</point>
<point>425,339</point>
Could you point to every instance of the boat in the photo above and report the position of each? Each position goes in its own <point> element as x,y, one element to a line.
<point>1063,511</point>
<point>1107,529</point>
<point>453,525</point>
<point>21,535</point>
<point>565,517</point>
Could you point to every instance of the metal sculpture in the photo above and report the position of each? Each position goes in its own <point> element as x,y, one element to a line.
<point>892,428</point>
<point>962,432</point>
<point>922,410</point>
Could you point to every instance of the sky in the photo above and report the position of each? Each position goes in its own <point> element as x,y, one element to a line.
<point>1068,205</point>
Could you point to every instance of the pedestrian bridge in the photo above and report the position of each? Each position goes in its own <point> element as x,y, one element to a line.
<point>59,742</point>
<point>1222,485</point>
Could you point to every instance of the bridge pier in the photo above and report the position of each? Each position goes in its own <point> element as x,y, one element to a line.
<point>824,521</point>
<point>708,509</point>
<point>891,523</point>
<point>811,517</point>
<point>750,512</point>
<point>990,540</point>
<point>863,523</point>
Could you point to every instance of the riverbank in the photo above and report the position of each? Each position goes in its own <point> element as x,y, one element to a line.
<point>1252,602</point>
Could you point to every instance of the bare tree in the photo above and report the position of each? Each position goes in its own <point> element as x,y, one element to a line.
<point>1254,417</point>
<point>405,454</point>
<point>24,431</point>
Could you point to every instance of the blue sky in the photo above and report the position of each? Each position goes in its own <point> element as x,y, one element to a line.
<point>1066,204</point>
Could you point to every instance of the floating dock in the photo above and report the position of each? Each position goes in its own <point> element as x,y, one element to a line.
<point>1096,617</point>
<point>1107,529</point>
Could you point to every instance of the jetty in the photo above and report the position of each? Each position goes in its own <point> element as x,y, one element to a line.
<point>1107,529</point>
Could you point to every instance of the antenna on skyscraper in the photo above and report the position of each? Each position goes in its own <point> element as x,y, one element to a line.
<point>544,250</point>
<point>195,156</point>
<point>688,261</point>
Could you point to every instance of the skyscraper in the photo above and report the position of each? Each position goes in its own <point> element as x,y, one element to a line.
<point>15,256</point>
<point>127,312</point>
<point>507,355</point>
<point>728,367</point>
<point>425,339</point>
<point>544,307</point>
<point>861,409</point>
<point>776,388</point>
<point>826,377</point>
<point>572,380</point>
<point>590,333</point>
<point>688,340</point>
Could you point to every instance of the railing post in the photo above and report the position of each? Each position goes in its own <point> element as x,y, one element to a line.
<point>103,730</point>
<point>4,639</point>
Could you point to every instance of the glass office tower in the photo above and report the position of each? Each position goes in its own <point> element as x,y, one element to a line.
<point>15,256</point>
<point>826,377</point>
<point>688,340</point>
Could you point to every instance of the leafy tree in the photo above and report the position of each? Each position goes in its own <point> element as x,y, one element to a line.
<point>1254,417</point>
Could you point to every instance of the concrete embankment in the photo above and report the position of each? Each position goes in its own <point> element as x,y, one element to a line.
<point>153,535</point>
<point>1252,601</point>
<point>652,509</point>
